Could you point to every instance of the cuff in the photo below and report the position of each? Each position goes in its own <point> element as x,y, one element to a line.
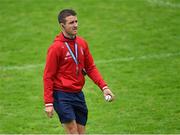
<point>105,87</point>
<point>49,104</point>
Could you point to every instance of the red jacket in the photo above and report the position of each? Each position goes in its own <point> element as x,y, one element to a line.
<point>60,69</point>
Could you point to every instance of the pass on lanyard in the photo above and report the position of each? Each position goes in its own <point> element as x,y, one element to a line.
<point>75,58</point>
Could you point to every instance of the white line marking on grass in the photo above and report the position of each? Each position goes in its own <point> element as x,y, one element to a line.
<point>164,3</point>
<point>127,59</point>
<point>22,67</point>
<point>145,57</point>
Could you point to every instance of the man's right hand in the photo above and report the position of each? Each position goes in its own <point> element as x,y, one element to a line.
<point>49,111</point>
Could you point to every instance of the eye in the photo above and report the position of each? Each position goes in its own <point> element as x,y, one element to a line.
<point>72,22</point>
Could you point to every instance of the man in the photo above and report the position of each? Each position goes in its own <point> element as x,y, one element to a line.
<point>68,60</point>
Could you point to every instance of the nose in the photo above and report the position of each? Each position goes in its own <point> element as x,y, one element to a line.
<point>76,24</point>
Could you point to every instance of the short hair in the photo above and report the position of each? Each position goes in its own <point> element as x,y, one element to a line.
<point>65,13</point>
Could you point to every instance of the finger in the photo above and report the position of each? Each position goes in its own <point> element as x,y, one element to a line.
<point>49,114</point>
<point>107,93</point>
<point>112,97</point>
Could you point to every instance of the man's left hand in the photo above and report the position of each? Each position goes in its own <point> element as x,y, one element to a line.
<point>106,92</point>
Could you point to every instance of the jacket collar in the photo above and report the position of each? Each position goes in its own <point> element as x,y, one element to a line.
<point>62,38</point>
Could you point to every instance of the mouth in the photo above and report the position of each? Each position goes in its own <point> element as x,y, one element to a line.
<point>75,30</point>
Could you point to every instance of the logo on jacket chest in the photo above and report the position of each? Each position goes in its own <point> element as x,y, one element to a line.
<point>68,55</point>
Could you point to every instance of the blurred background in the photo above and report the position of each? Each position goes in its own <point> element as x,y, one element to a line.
<point>135,45</point>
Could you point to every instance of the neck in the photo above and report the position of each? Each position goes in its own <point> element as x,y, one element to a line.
<point>66,35</point>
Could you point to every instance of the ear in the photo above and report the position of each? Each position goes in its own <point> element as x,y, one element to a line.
<point>62,25</point>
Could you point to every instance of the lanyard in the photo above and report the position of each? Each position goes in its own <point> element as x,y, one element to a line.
<point>75,58</point>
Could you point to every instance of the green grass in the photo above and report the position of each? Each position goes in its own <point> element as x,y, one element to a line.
<point>147,90</point>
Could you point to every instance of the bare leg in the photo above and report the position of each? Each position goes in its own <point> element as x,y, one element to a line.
<point>71,127</point>
<point>81,129</point>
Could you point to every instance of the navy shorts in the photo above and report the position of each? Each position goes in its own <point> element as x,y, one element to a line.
<point>70,106</point>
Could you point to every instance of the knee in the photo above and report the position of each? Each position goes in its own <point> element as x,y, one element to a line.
<point>72,128</point>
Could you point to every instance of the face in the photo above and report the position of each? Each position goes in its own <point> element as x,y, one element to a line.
<point>71,25</point>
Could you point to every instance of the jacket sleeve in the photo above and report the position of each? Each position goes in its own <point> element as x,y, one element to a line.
<point>92,70</point>
<point>49,74</point>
